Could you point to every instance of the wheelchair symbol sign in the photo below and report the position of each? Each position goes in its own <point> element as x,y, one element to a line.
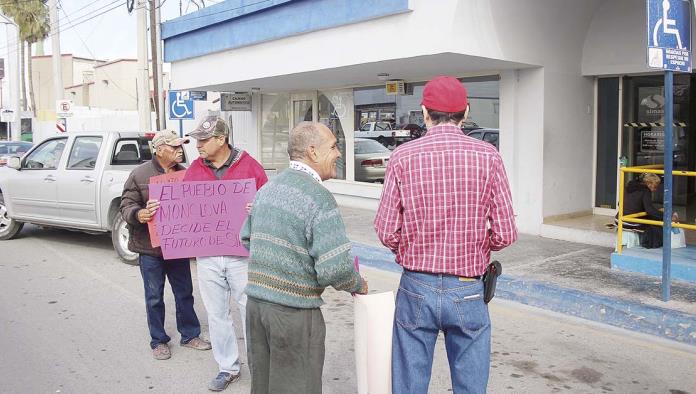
<point>180,105</point>
<point>669,34</point>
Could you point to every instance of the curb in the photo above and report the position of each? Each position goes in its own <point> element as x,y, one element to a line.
<point>634,316</point>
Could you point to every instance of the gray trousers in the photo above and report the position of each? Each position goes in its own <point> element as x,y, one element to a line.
<point>285,348</point>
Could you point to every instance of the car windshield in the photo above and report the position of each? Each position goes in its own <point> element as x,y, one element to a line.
<point>381,126</point>
<point>369,146</point>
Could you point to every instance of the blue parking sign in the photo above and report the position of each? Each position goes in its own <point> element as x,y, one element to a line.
<point>669,34</point>
<point>180,105</point>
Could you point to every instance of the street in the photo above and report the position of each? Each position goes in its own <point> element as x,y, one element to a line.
<point>73,321</point>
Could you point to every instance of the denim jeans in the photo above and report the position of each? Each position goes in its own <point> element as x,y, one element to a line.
<point>427,304</point>
<point>178,272</point>
<point>219,278</point>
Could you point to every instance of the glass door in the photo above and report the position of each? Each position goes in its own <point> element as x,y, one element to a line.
<point>607,145</point>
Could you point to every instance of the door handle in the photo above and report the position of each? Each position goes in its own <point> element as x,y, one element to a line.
<point>87,179</point>
<point>49,178</point>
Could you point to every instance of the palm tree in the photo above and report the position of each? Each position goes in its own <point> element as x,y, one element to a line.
<point>32,18</point>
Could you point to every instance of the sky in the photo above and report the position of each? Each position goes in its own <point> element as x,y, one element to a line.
<point>110,35</point>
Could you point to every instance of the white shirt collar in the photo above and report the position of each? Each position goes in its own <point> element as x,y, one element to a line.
<point>300,166</point>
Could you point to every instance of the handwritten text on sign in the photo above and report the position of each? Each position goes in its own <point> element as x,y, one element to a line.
<point>197,219</point>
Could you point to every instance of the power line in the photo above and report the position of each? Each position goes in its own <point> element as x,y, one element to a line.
<point>94,57</point>
<point>219,12</point>
<point>73,25</point>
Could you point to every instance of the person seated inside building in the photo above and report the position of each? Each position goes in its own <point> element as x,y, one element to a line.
<point>638,198</point>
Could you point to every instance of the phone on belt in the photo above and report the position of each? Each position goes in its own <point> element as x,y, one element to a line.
<point>490,278</point>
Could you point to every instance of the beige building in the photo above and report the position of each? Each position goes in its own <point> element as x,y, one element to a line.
<point>76,70</point>
<point>88,83</point>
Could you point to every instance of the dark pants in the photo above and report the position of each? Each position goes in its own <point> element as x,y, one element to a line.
<point>285,348</point>
<point>178,272</point>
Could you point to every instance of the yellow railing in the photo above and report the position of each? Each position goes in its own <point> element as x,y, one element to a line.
<point>636,217</point>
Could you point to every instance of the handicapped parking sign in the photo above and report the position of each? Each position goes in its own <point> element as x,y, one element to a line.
<point>669,34</point>
<point>180,105</point>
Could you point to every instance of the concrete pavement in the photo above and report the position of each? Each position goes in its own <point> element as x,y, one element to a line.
<point>73,320</point>
<point>566,277</point>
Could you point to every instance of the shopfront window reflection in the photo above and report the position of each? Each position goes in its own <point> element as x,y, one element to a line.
<point>335,111</point>
<point>274,131</point>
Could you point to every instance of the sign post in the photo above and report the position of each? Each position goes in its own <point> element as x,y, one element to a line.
<point>669,49</point>
<point>180,108</point>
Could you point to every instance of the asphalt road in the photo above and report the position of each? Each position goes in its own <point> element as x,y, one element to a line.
<point>73,321</point>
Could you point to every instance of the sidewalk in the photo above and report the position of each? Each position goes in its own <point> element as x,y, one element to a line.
<point>564,277</point>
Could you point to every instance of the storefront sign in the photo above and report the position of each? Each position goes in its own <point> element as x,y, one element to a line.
<point>669,34</point>
<point>7,115</point>
<point>197,219</point>
<point>238,101</point>
<point>198,95</point>
<point>652,141</point>
<point>394,88</point>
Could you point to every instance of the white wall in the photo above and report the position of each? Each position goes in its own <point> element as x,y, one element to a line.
<point>545,104</point>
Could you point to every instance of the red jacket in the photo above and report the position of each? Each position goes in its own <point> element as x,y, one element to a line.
<point>243,168</point>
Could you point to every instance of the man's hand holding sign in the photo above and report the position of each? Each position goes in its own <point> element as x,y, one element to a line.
<point>201,218</point>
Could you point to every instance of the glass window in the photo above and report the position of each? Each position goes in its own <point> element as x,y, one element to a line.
<point>492,138</point>
<point>84,153</point>
<point>335,111</point>
<point>275,121</point>
<point>46,156</point>
<point>131,151</point>
<point>475,134</point>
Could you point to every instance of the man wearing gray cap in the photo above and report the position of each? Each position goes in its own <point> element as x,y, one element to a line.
<point>222,277</point>
<point>137,210</point>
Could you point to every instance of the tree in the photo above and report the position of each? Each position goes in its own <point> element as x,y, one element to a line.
<point>32,18</point>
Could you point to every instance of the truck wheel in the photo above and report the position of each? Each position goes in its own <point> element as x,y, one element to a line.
<point>119,237</point>
<point>9,227</point>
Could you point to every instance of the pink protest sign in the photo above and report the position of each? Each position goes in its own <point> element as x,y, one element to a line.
<point>197,219</point>
<point>165,178</point>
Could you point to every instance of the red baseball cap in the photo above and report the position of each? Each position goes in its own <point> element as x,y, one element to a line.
<point>445,94</point>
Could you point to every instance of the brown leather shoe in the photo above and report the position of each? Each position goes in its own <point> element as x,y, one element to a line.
<point>161,352</point>
<point>198,344</point>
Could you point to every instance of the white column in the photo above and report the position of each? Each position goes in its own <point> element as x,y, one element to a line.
<point>143,77</point>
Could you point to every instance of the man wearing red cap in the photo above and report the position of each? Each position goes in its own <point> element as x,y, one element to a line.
<point>445,205</point>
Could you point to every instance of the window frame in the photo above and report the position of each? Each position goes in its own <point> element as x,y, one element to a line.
<point>72,149</point>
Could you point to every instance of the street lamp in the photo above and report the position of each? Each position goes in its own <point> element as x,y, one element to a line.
<point>16,136</point>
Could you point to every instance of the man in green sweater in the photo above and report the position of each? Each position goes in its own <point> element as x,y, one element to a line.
<point>298,246</point>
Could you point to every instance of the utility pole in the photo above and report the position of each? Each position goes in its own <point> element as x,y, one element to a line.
<point>155,61</point>
<point>143,77</point>
<point>15,133</point>
<point>160,74</point>
<point>58,87</point>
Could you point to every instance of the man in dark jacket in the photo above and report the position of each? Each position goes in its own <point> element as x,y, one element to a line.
<point>137,210</point>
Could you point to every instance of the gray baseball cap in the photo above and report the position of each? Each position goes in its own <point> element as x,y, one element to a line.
<point>211,126</point>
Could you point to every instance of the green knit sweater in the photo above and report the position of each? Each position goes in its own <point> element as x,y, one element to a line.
<point>297,243</point>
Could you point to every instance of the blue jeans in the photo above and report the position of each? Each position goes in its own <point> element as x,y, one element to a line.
<point>427,304</point>
<point>178,272</point>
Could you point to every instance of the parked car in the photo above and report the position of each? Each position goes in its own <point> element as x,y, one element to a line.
<point>371,160</point>
<point>73,181</point>
<point>383,133</point>
<point>469,126</point>
<point>12,148</point>
<point>416,130</point>
<point>488,135</point>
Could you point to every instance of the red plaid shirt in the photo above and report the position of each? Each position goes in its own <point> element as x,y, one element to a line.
<point>445,204</point>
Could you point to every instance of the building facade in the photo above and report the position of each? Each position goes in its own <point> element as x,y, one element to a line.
<point>561,80</point>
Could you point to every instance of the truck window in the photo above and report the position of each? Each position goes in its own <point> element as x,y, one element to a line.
<point>46,156</point>
<point>131,151</point>
<point>382,126</point>
<point>84,153</point>
<point>365,127</point>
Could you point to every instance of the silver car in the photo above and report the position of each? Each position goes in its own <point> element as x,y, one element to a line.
<point>371,160</point>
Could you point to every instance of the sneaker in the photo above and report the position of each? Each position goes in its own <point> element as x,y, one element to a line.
<point>161,352</point>
<point>198,344</point>
<point>222,380</point>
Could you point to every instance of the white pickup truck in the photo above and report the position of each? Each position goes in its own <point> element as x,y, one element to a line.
<point>73,181</point>
<point>383,133</point>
